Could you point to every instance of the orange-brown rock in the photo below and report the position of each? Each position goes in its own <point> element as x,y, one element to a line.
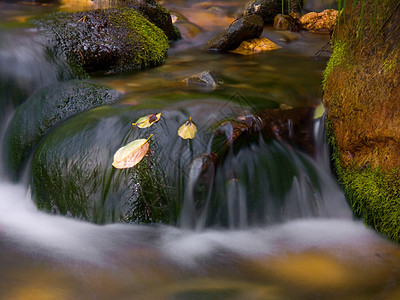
<point>282,22</point>
<point>252,46</point>
<point>319,22</point>
<point>362,96</point>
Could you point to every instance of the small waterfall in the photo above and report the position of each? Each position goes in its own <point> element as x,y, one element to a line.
<point>265,182</point>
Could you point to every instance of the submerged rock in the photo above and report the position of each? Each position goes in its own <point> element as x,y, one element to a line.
<point>205,78</point>
<point>45,109</point>
<point>244,28</point>
<point>108,41</point>
<point>320,22</point>
<point>268,9</point>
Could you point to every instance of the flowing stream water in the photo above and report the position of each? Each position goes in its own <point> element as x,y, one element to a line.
<point>310,247</point>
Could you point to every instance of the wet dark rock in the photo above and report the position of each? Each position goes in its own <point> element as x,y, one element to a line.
<point>107,41</point>
<point>244,28</point>
<point>268,9</point>
<point>205,78</point>
<point>292,126</point>
<point>45,109</point>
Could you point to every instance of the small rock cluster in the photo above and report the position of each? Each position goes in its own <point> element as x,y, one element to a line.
<point>257,14</point>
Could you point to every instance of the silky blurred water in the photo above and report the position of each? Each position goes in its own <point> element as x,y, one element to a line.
<point>301,250</point>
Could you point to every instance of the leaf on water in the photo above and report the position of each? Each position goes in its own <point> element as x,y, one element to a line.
<point>131,154</point>
<point>147,121</point>
<point>187,130</point>
<point>319,111</point>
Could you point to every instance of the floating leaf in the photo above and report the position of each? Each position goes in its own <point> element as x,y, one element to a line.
<point>187,130</point>
<point>147,121</point>
<point>131,154</point>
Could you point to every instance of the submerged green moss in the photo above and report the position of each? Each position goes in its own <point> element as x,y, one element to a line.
<point>373,193</point>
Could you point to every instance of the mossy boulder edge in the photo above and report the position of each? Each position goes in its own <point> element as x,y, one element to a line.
<point>45,109</point>
<point>106,41</point>
<point>362,92</point>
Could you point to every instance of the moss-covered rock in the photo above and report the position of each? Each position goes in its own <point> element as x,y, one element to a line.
<point>108,41</point>
<point>45,109</point>
<point>158,15</point>
<point>362,92</point>
<point>153,11</point>
<point>72,172</point>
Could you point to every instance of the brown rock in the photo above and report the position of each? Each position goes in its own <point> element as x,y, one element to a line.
<point>319,22</point>
<point>282,22</point>
<point>253,46</point>
<point>246,27</point>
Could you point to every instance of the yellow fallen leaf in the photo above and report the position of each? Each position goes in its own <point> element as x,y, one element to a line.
<point>319,111</point>
<point>147,121</point>
<point>187,130</point>
<point>131,154</point>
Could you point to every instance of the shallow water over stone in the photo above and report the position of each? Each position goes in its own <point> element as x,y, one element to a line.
<point>306,248</point>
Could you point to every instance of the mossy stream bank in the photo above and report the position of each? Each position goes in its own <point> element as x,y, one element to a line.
<point>362,94</point>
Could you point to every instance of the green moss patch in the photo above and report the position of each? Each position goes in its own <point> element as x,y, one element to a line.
<point>373,193</point>
<point>337,58</point>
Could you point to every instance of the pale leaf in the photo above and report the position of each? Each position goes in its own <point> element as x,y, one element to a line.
<point>147,121</point>
<point>319,111</point>
<point>187,130</point>
<point>131,154</point>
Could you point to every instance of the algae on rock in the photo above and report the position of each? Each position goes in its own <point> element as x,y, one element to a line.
<point>108,41</point>
<point>362,93</point>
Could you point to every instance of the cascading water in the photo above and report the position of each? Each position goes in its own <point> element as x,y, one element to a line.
<point>265,183</point>
<point>267,221</point>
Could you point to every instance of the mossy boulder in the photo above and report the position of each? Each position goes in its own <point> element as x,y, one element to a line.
<point>72,172</point>
<point>45,109</point>
<point>268,9</point>
<point>107,41</point>
<point>158,15</point>
<point>362,92</point>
